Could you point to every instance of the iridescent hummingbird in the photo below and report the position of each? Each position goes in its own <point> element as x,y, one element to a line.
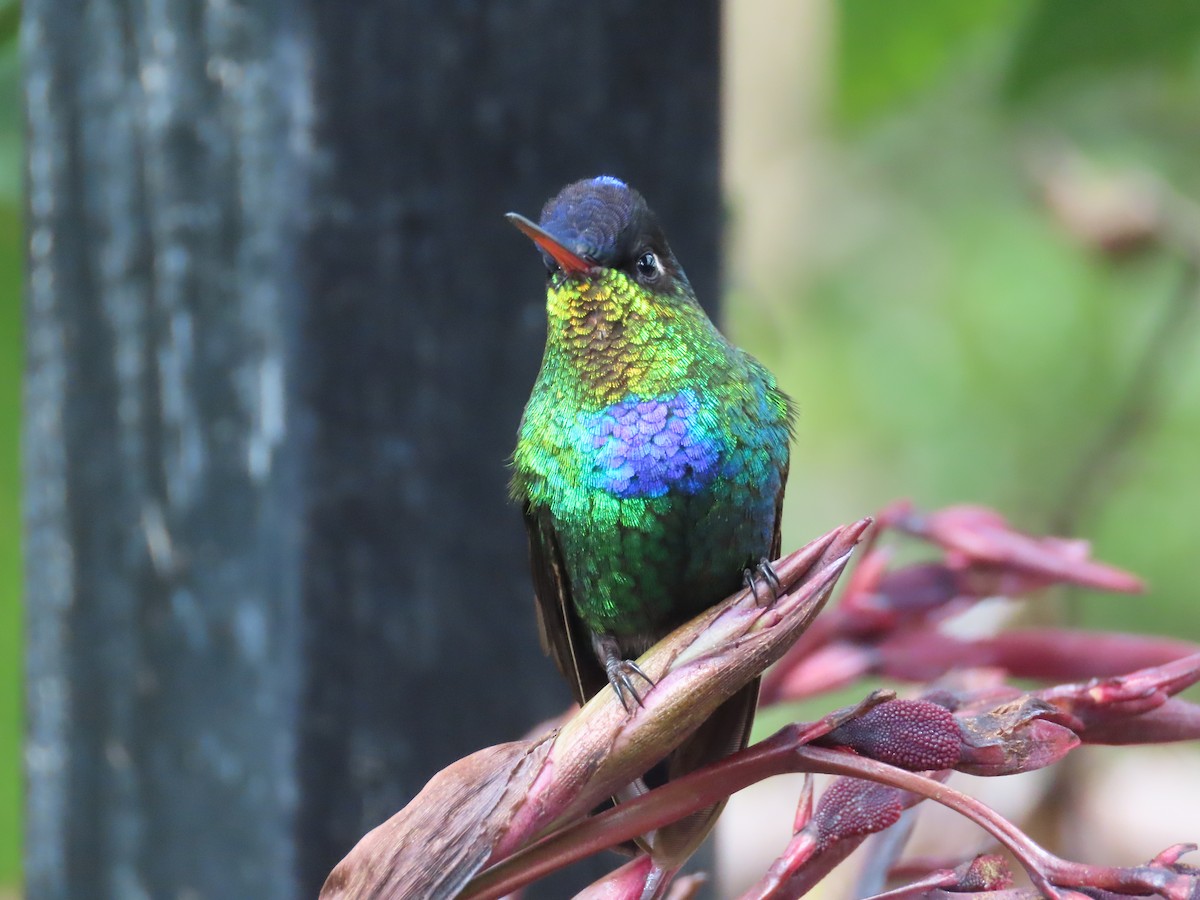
<point>650,463</point>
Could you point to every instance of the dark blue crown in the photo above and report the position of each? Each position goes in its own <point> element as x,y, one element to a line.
<point>597,217</point>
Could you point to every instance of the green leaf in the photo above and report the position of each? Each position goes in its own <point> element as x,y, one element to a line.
<point>1062,40</point>
<point>889,52</point>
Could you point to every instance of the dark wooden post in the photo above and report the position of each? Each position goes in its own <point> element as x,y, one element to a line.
<point>279,336</point>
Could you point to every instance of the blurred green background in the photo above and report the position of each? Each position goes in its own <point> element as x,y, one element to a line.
<point>925,203</point>
<point>984,228</point>
<point>964,235</point>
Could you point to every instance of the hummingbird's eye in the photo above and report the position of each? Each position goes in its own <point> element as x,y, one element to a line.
<point>648,267</point>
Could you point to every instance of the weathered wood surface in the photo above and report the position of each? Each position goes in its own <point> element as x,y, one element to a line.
<point>279,336</point>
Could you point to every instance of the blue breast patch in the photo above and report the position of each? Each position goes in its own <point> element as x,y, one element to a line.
<point>645,447</point>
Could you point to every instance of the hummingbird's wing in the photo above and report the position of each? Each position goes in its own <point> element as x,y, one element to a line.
<point>777,537</point>
<point>564,636</point>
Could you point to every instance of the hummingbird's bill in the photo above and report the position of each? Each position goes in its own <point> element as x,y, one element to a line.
<point>570,262</point>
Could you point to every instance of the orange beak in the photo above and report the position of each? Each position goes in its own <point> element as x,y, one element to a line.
<point>571,263</point>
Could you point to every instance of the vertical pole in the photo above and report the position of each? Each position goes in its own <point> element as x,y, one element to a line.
<point>279,337</point>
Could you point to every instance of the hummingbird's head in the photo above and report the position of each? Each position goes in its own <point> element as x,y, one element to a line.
<point>621,315</point>
<point>601,226</point>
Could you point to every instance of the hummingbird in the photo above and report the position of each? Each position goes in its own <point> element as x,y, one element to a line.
<point>650,465</point>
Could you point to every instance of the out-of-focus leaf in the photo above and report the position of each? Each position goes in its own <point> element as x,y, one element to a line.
<point>11,124</point>
<point>10,23</point>
<point>979,536</point>
<point>11,631</point>
<point>889,51</point>
<point>1071,39</point>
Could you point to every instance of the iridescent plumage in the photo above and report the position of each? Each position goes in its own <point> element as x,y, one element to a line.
<point>652,455</point>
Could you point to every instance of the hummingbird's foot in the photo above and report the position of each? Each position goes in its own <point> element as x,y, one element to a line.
<point>750,578</point>
<point>770,576</point>
<point>621,672</point>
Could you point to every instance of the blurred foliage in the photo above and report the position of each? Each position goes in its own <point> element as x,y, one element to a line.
<point>1057,42</point>
<point>947,339</point>
<point>886,56</point>
<point>11,263</point>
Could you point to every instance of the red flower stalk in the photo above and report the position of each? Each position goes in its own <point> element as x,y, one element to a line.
<point>509,814</point>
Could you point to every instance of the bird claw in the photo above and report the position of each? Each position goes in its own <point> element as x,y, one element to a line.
<point>621,673</point>
<point>750,578</point>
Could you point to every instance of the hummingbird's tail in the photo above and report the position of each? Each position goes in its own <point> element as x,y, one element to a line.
<point>726,731</point>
